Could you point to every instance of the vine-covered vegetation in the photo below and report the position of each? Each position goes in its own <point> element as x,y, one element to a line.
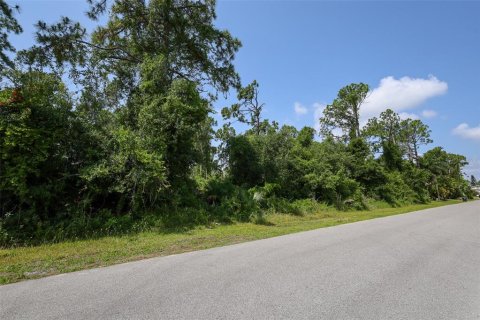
<point>113,132</point>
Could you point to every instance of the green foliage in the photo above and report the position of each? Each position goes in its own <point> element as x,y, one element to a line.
<point>414,134</point>
<point>417,179</point>
<point>305,137</point>
<point>8,24</point>
<point>392,156</point>
<point>344,112</point>
<point>244,162</point>
<point>249,109</point>
<point>395,191</point>
<point>227,202</point>
<point>384,130</point>
<point>182,31</point>
<point>132,149</point>
<point>169,123</point>
<point>446,177</point>
<point>41,144</point>
<point>132,175</point>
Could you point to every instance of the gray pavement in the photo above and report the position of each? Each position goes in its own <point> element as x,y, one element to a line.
<point>421,265</point>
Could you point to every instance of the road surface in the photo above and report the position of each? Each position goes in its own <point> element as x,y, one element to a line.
<point>421,265</point>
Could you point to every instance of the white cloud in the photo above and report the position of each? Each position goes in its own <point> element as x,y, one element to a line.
<point>429,114</point>
<point>300,109</point>
<point>465,131</point>
<point>401,94</point>
<point>407,115</point>
<point>317,114</point>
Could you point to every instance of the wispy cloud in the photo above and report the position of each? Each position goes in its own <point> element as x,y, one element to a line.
<point>317,114</point>
<point>465,131</point>
<point>300,109</point>
<point>401,94</point>
<point>407,115</point>
<point>429,114</point>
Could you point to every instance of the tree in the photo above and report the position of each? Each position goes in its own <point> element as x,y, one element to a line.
<point>150,63</point>
<point>244,162</point>
<point>328,174</point>
<point>42,147</point>
<point>133,147</point>
<point>8,24</point>
<point>414,134</point>
<point>385,128</point>
<point>344,112</point>
<point>446,173</point>
<point>305,136</point>
<point>248,110</point>
<point>223,136</point>
<point>385,133</point>
<point>435,161</point>
<point>181,31</point>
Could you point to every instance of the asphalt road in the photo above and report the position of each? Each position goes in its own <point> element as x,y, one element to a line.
<point>421,265</point>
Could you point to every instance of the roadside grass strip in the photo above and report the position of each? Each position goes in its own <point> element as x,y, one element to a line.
<point>23,263</point>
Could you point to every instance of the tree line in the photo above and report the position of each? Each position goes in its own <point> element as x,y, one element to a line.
<point>113,131</point>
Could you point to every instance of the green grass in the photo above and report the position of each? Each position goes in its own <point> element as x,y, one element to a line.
<point>24,263</point>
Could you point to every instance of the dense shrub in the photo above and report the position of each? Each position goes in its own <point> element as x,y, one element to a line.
<point>132,148</point>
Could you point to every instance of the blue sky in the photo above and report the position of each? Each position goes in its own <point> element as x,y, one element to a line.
<point>421,59</point>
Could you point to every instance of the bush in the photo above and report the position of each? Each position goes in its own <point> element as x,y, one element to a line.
<point>395,191</point>
<point>227,202</point>
<point>185,218</point>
